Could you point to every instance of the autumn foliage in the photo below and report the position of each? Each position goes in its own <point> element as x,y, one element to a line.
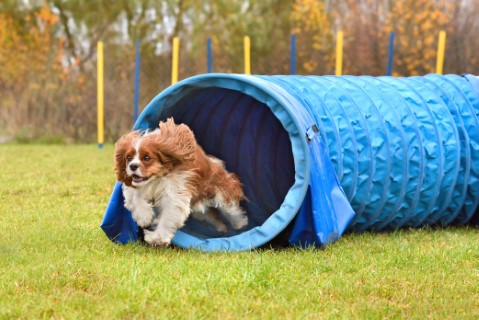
<point>416,23</point>
<point>48,50</point>
<point>40,96</point>
<point>313,26</point>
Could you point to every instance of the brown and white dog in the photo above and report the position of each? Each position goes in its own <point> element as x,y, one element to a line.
<point>167,169</point>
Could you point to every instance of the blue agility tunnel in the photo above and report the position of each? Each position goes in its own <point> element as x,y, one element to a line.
<point>322,155</point>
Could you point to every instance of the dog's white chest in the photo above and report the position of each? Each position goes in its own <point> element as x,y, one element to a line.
<point>174,186</point>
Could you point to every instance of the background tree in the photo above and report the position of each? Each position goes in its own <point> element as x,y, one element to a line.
<point>48,49</point>
<point>365,36</point>
<point>313,26</point>
<point>30,57</point>
<point>462,41</point>
<point>226,22</point>
<point>417,24</point>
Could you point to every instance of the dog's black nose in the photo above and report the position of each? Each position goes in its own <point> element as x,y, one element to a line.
<point>133,167</point>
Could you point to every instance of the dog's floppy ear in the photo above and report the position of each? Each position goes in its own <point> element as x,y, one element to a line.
<point>178,141</point>
<point>119,157</point>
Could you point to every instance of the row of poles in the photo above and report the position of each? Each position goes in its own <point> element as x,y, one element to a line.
<point>247,67</point>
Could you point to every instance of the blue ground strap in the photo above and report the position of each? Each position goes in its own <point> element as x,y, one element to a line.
<point>118,224</point>
<point>326,212</point>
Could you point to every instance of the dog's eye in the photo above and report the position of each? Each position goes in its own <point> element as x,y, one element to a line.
<point>147,158</point>
<point>128,158</point>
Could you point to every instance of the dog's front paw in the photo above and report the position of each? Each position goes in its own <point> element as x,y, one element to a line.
<point>143,218</point>
<point>155,240</point>
<point>144,221</point>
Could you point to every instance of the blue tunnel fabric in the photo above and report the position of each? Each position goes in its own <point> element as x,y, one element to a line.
<point>399,151</point>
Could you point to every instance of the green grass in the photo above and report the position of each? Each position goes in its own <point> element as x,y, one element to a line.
<point>55,262</point>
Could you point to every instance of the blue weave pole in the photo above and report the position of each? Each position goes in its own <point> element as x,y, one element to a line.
<point>323,155</point>
<point>292,65</point>
<point>209,56</point>
<point>136,96</point>
<point>389,68</point>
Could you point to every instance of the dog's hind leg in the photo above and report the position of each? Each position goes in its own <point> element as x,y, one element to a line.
<point>212,217</point>
<point>235,215</point>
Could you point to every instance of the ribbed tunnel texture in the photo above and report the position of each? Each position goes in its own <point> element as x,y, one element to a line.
<point>405,149</point>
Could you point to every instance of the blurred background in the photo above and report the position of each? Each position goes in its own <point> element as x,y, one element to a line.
<point>48,50</point>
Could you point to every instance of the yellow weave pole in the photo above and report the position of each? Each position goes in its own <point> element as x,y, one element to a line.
<point>441,49</point>
<point>247,55</point>
<point>339,53</point>
<point>100,96</point>
<point>174,64</point>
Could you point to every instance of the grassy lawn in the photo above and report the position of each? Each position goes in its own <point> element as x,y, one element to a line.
<point>55,262</point>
